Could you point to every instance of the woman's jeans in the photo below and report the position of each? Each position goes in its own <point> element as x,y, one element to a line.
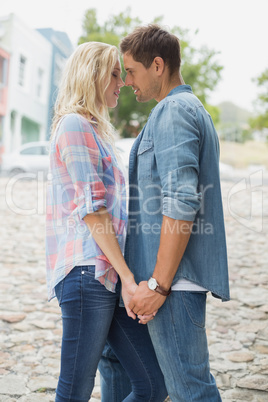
<point>91,316</point>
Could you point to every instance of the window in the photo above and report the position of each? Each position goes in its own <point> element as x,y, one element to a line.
<point>22,70</point>
<point>34,150</point>
<point>30,130</point>
<point>39,84</point>
<point>45,150</point>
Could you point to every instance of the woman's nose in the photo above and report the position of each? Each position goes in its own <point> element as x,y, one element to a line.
<point>121,83</point>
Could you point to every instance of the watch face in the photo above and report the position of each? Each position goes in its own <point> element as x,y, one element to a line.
<point>152,284</point>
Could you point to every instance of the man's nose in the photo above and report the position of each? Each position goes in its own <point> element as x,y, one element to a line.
<point>128,81</point>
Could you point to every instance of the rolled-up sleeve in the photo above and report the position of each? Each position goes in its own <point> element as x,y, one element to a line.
<point>176,147</point>
<point>78,151</point>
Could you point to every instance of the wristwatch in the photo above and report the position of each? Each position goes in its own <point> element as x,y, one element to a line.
<point>153,285</point>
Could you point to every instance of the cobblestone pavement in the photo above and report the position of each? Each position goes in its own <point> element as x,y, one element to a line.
<point>30,327</point>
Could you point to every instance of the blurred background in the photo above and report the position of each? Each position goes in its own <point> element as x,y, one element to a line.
<point>224,59</point>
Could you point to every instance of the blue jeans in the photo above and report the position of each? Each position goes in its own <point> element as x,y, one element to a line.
<point>115,383</point>
<point>179,338</point>
<point>91,316</point>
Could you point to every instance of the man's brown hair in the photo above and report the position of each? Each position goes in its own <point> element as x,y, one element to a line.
<point>150,41</point>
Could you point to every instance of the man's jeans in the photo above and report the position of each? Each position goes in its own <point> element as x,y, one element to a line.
<point>179,338</point>
<point>180,342</point>
<point>91,315</point>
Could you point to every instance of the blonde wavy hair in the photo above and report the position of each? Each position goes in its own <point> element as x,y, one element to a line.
<point>86,76</point>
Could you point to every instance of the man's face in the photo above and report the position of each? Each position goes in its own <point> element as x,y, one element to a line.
<point>143,81</point>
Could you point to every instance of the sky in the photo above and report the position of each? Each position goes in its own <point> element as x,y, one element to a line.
<point>237,29</point>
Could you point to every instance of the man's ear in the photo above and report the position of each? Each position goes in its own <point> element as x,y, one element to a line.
<point>159,65</point>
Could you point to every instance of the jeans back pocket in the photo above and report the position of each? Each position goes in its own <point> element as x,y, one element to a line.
<point>195,304</point>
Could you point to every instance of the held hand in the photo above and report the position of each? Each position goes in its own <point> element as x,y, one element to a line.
<point>144,319</point>
<point>128,291</point>
<point>146,301</point>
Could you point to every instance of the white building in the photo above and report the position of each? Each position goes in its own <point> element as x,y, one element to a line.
<point>28,83</point>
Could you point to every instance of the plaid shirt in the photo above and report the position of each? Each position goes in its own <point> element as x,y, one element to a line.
<point>85,176</point>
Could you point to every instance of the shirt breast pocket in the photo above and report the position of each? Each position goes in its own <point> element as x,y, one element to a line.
<point>145,159</point>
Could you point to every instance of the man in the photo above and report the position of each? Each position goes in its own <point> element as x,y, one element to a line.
<point>176,243</point>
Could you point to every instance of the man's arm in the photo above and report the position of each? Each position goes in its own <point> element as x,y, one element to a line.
<point>174,238</point>
<point>176,141</point>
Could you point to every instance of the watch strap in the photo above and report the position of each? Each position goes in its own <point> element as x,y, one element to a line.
<point>162,291</point>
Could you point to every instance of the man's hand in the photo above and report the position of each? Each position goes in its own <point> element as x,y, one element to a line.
<point>146,301</point>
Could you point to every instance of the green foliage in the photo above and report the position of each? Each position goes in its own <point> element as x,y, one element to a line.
<point>262,81</point>
<point>112,31</point>
<point>246,135</point>
<point>214,112</point>
<point>199,68</point>
<point>261,121</point>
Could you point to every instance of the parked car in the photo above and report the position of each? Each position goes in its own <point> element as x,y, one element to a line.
<point>33,157</point>
<point>29,158</point>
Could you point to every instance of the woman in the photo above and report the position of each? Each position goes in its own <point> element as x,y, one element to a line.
<point>86,224</point>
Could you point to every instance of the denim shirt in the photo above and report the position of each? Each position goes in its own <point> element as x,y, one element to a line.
<point>174,171</point>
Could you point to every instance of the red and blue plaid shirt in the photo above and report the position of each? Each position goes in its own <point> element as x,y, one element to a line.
<point>85,176</point>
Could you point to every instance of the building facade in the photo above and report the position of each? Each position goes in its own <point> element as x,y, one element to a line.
<point>4,69</point>
<point>31,63</point>
<point>28,85</point>
<point>61,50</point>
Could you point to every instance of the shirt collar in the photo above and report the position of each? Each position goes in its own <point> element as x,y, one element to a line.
<point>179,89</point>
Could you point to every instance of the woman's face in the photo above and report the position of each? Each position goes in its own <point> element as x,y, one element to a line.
<point>113,90</point>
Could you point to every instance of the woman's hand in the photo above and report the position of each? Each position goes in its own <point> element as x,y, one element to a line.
<point>128,290</point>
<point>146,301</point>
<point>143,319</point>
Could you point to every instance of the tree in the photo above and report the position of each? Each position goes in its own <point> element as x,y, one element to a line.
<point>199,68</point>
<point>112,30</point>
<point>261,121</point>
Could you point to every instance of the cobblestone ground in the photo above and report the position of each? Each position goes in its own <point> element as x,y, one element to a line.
<point>30,327</point>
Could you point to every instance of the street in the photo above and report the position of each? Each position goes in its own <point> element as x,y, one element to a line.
<point>30,327</point>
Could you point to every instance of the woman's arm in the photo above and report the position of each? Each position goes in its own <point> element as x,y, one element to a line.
<point>78,149</point>
<point>102,230</point>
